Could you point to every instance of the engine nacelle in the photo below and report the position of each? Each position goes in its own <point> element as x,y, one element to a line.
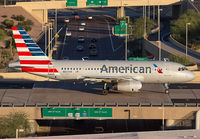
<point>129,86</point>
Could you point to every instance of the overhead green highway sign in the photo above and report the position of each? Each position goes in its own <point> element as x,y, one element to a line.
<point>77,112</point>
<point>138,59</point>
<point>71,3</point>
<point>97,2</point>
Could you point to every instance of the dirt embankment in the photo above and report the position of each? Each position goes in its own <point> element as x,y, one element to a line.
<point>9,11</point>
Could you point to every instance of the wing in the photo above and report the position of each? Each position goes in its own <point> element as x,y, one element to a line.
<point>111,79</point>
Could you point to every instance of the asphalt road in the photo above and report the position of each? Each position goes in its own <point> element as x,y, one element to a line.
<point>108,46</point>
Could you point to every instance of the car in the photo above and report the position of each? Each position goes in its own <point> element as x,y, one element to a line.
<point>92,45</point>
<point>85,58</point>
<point>81,28</point>
<point>81,39</point>
<point>93,52</point>
<point>83,23</point>
<point>74,13</point>
<point>66,20</point>
<point>93,40</point>
<point>79,48</point>
<point>66,58</point>
<point>98,130</point>
<point>90,17</point>
<point>68,33</point>
<point>76,17</point>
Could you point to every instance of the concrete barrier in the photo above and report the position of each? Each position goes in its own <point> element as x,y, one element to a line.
<point>180,45</point>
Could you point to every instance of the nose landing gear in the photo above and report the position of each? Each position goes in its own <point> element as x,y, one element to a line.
<point>166,86</point>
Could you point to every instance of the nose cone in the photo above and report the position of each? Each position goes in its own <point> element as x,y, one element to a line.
<point>190,76</point>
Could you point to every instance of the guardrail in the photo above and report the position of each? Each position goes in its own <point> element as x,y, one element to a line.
<point>180,45</point>
<point>100,105</point>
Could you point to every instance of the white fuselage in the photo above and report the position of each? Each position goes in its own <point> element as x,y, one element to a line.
<point>143,71</point>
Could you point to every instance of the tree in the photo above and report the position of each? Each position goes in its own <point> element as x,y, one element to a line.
<point>8,23</point>
<point>13,121</point>
<point>179,59</point>
<point>178,28</point>
<point>138,27</point>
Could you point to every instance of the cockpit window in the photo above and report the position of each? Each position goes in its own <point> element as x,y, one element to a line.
<point>182,68</point>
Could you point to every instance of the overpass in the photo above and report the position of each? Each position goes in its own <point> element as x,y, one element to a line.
<point>40,9</point>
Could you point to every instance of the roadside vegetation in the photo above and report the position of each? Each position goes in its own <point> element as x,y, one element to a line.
<point>178,29</point>
<point>136,34</point>
<point>7,45</point>
<point>13,121</point>
<point>181,60</point>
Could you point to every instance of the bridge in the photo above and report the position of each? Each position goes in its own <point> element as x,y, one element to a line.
<point>39,9</point>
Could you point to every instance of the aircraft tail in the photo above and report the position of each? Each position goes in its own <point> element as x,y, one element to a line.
<point>32,58</point>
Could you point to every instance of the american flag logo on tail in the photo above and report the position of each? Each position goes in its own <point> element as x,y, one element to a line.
<point>32,58</point>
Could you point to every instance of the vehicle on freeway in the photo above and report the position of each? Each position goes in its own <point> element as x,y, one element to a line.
<point>68,33</point>
<point>66,20</point>
<point>85,58</point>
<point>81,28</point>
<point>79,48</point>
<point>90,17</point>
<point>92,45</point>
<point>81,39</point>
<point>65,58</point>
<point>93,52</point>
<point>83,23</point>
<point>93,40</point>
<point>74,13</point>
<point>76,17</point>
<point>126,76</point>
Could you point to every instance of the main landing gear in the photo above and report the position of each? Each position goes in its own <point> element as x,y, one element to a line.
<point>166,86</point>
<point>105,90</point>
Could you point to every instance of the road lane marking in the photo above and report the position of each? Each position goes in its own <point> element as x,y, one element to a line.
<point>111,39</point>
<point>64,42</point>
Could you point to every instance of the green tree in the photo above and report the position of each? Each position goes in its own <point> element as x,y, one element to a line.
<point>138,27</point>
<point>179,59</point>
<point>3,34</point>
<point>13,121</point>
<point>20,18</point>
<point>8,23</point>
<point>178,28</point>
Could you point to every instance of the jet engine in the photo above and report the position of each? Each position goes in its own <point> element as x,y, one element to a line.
<point>128,85</point>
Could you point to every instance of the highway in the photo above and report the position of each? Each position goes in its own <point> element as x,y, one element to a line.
<point>108,46</point>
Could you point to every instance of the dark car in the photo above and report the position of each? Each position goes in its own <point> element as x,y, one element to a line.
<point>93,40</point>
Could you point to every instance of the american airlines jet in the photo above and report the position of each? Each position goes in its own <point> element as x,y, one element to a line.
<point>122,75</point>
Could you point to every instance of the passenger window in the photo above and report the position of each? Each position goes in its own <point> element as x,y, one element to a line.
<point>70,68</point>
<point>88,68</point>
<point>91,68</point>
<point>76,68</point>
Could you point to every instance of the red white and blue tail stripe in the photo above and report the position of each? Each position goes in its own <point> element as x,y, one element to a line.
<point>32,58</point>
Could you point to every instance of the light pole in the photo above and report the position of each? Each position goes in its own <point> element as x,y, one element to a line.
<point>159,43</point>
<point>126,43</point>
<point>186,36</point>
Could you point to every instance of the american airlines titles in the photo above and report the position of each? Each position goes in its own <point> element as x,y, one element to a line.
<point>124,69</point>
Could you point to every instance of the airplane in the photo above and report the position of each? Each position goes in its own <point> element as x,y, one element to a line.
<point>120,74</point>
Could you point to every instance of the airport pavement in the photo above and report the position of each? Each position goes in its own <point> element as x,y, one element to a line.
<point>66,93</point>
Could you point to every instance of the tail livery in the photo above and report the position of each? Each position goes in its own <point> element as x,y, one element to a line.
<point>32,58</point>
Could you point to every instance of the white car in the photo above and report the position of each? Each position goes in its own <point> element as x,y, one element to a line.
<point>68,33</point>
<point>90,17</point>
<point>83,23</point>
<point>81,28</point>
<point>81,39</point>
<point>66,20</point>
